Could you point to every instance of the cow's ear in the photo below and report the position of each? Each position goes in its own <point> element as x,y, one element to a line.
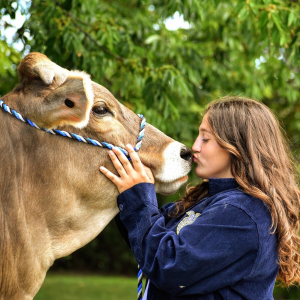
<point>37,66</point>
<point>68,104</point>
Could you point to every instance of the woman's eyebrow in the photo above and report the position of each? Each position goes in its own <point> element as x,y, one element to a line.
<point>203,129</point>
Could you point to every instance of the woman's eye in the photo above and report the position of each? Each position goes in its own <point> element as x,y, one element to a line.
<point>100,110</point>
<point>204,140</point>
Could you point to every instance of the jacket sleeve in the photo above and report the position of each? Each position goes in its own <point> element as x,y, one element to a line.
<point>215,251</point>
<point>123,230</point>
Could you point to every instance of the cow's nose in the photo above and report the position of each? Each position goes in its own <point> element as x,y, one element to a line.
<point>186,153</point>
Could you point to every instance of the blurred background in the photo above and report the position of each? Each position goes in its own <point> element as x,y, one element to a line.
<point>167,60</point>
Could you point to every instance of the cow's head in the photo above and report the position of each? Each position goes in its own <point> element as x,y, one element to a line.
<point>65,97</point>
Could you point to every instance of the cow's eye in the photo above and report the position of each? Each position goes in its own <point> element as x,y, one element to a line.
<point>100,110</point>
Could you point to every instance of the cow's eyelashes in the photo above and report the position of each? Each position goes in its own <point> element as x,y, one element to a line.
<point>100,110</point>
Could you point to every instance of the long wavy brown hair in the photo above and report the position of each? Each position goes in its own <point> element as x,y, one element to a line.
<point>263,166</point>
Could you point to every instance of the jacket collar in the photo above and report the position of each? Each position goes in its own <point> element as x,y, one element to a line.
<point>217,185</point>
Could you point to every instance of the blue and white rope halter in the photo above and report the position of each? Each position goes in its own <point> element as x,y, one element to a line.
<point>76,136</point>
<point>92,142</point>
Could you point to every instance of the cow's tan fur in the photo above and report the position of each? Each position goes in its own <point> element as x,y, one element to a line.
<point>54,200</point>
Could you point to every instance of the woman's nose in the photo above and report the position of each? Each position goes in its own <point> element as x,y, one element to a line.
<point>197,145</point>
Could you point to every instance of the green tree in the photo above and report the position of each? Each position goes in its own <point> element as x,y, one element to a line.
<point>9,59</point>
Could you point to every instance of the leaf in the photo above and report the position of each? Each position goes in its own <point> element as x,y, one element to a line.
<point>184,87</point>
<point>199,9</point>
<point>152,38</point>
<point>239,7</point>
<point>254,8</point>
<point>277,22</point>
<point>291,19</point>
<point>263,20</point>
<point>244,13</point>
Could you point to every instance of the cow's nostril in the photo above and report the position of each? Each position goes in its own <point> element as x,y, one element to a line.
<point>186,153</point>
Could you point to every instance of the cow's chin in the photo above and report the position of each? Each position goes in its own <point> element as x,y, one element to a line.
<point>168,188</point>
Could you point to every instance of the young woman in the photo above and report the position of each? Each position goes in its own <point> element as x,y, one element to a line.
<point>233,234</point>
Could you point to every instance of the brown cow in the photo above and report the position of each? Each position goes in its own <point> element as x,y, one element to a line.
<point>54,200</point>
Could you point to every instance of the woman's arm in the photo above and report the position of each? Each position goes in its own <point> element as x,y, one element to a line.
<point>217,250</point>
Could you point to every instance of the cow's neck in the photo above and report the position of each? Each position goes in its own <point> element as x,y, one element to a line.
<point>56,202</point>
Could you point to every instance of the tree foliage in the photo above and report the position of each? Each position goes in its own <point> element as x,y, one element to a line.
<point>9,59</point>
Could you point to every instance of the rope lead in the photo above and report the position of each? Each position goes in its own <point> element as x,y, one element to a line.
<point>140,284</point>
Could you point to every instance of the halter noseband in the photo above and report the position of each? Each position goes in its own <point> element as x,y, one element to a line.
<point>76,136</point>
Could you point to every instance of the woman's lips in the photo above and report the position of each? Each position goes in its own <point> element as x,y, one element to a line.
<point>194,159</point>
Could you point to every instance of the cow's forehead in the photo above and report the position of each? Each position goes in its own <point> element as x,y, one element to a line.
<point>99,90</point>
<point>102,93</point>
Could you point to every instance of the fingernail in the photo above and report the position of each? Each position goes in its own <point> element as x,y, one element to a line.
<point>129,146</point>
<point>110,152</point>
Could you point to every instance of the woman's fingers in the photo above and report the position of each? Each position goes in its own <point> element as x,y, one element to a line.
<point>137,164</point>
<point>130,175</point>
<point>117,163</point>
<point>124,160</point>
<point>149,174</point>
<point>115,179</point>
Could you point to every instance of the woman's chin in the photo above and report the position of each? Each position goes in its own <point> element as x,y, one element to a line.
<point>200,173</point>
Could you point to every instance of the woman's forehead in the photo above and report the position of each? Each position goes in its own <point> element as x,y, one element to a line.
<point>204,126</point>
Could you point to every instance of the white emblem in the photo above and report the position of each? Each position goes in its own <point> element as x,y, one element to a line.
<point>192,216</point>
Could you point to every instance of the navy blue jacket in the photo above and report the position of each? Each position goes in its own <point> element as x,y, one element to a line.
<point>221,248</point>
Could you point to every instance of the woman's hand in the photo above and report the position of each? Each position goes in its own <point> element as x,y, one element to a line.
<point>130,174</point>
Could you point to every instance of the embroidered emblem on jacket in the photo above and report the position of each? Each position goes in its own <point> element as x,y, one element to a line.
<point>192,216</point>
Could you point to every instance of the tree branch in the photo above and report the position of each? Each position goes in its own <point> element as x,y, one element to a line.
<point>96,42</point>
<point>73,17</point>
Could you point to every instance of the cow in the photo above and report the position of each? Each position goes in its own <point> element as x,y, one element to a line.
<point>53,199</point>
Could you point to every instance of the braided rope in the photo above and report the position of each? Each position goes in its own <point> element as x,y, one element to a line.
<point>76,136</point>
<point>92,142</point>
<point>140,284</point>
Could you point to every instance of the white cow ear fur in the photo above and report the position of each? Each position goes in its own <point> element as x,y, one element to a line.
<point>68,104</point>
<point>50,73</point>
<point>38,66</point>
<point>89,94</point>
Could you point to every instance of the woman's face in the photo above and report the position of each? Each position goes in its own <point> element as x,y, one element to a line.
<point>211,160</point>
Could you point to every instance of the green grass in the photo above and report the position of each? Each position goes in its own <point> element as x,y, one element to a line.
<point>72,287</point>
<point>92,287</point>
